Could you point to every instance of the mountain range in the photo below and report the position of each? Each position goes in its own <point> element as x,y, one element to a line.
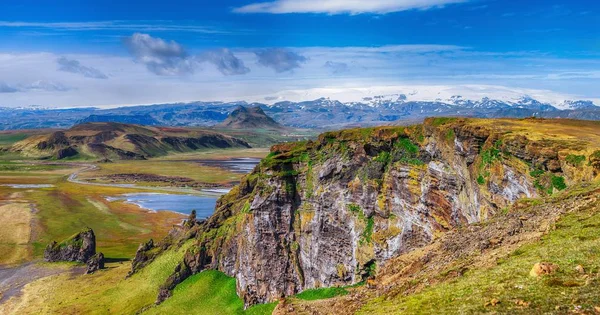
<point>322,113</point>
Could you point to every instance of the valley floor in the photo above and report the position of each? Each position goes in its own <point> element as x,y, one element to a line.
<point>45,201</point>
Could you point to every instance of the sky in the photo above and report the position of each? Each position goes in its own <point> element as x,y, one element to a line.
<point>71,53</point>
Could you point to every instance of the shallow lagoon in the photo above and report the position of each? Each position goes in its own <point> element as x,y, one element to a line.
<point>236,165</point>
<point>28,186</point>
<point>204,205</point>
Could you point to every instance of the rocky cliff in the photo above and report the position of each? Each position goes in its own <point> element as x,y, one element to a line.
<point>329,212</point>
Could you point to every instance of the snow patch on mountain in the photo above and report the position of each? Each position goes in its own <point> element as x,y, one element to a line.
<point>474,96</point>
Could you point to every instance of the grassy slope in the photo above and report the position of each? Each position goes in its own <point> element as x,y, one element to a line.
<point>209,292</point>
<point>575,241</point>
<point>104,292</point>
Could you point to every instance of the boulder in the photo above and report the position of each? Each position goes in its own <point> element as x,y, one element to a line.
<point>79,247</point>
<point>95,263</point>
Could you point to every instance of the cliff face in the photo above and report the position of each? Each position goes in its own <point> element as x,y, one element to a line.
<point>328,212</point>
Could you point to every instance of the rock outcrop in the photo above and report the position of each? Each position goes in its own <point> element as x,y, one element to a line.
<point>95,263</point>
<point>328,212</point>
<point>79,247</point>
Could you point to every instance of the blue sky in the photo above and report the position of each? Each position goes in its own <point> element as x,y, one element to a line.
<point>78,53</point>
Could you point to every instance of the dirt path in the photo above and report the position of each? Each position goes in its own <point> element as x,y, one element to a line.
<point>12,280</point>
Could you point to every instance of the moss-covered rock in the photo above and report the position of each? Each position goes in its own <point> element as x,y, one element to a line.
<point>79,247</point>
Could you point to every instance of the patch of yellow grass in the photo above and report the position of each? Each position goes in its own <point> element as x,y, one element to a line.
<point>15,231</point>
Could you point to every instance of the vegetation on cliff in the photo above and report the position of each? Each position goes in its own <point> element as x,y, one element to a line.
<point>327,213</point>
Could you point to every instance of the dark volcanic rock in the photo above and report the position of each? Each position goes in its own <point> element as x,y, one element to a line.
<point>143,256</point>
<point>80,247</point>
<point>66,152</point>
<point>95,263</point>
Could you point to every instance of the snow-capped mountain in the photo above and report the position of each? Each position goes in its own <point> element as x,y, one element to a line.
<point>353,109</point>
<point>468,96</point>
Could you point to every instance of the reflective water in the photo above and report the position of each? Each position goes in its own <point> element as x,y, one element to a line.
<point>237,165</point>
<point>204,205</point>
<point>28,186</point>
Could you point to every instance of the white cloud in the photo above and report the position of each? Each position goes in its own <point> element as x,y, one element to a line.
<point>138,26</point>
<point>342,6</point>
<point>34,78</point>
<point>225,61</point>
<point>160,57</point>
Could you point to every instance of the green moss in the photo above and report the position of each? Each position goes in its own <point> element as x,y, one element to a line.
<point>246,208</point>
<point>575,160</point>
<point>407,146</point>
<point>407,152</point>
<point>383,157</point>
<point>547,182</point>
<point>357,210</point>
<point>536,173</point>
<point>558,182</point>
<point>480,180</point>
<point>367,235</point>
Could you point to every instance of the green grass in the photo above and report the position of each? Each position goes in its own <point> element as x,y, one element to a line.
<point>10,139</point>
<point>438,121</point>
<point>575,160</point>
<point>320,294</point>
<point>208,292</point>
<point>575,241</point>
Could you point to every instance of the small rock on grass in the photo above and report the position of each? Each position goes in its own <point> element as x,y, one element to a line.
<point>522,303</point>
<point>543,268</point>
<point>492,302</point>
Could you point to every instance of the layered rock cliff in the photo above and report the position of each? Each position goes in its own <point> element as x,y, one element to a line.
<point>328,212</point>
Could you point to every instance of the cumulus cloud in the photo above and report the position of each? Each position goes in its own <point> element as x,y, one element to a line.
<point>279,59</point>
<point>5,88</point>
<point>336,67</point>
<point>159,56</point>
<point>225,61</point>
<point>342,6</point>
<point>74,66</point>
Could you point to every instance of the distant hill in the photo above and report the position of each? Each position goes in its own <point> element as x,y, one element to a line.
<point>121,141</point>
<point>249,118</point>
<point>125,119</point>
